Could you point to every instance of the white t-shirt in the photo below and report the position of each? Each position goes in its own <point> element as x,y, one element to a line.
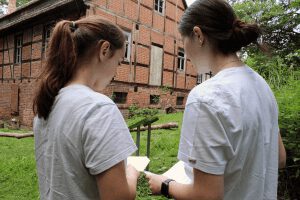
<point>84,135</point>
<point>230,128</point>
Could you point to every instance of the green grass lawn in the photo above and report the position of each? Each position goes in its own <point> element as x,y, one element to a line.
<point>18,180</point>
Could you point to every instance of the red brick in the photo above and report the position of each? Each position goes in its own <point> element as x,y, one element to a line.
<point>144,36</point>
<point>101,2</point>
<point>148,3</point>
<point>167,78</point>
<point>105,15</point>
<point>123,73</point>
<point>157,37</point>
<point>191,82</point>
<point>180,82</point>
<point>169,44</point>
<point>131,9</point>
<point>143,55</point>
<point>168,61</point>
<point>170,10</point>
<point>158,22</point>
<point>170,27</point>
<point>142,74</point>
<point>116,6</point>
<point>146,16</point>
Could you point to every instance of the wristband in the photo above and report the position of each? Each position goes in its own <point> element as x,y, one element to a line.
<point>165,188</point>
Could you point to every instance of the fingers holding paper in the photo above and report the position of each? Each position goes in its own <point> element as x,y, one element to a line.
<point>132,172</point>
<point>155,182</point>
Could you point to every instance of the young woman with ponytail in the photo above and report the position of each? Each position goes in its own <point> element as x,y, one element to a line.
<point>81,138</point>
<point>230,137</point>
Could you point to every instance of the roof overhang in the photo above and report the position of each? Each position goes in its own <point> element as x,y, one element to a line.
<point>37,9</point>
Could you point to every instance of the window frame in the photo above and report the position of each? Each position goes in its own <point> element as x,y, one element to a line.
<point>159,6</point>
<point>152,99</point>
<point>128,40</point>
<point>46,38</point>
<point>199,78</point>
<point>18,49</point>
<point>181,101</point>
<point>120,100</point>
<point>181,60</point>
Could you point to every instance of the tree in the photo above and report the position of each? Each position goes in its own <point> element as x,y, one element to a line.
<point>4,3</point>
<point>280,23</point>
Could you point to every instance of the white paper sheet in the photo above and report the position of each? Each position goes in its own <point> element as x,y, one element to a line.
<point>139,162</point>
<point>181,173</point>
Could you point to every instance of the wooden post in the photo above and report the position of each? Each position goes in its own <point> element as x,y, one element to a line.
<point>138,140</point>
<point>148,143</point>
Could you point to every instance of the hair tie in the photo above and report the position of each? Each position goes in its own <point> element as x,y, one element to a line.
<point>73,26</point>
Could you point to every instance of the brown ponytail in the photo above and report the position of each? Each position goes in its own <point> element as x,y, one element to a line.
<point>218,22</point>
<point>70,42</point>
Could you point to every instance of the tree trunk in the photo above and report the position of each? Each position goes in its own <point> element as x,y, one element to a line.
<point>16,135</point>
<point>160,126</point>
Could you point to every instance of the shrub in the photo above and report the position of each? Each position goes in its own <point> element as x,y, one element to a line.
<point>135,111</point>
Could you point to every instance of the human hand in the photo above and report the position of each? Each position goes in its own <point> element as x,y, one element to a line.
<point>132,173</point>
<point>155,182</point>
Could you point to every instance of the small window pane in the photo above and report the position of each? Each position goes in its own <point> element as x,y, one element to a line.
<point>127,46</point>
<point>179,101</point>
<point>154,99</point>
<point>18,49</point>
<point>119,97</point>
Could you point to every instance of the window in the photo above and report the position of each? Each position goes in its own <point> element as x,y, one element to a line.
<point>154,99</point>
<point>127,46</point>
<point>18,48</point>
<point>119,97</point>
<point>181,59</point>
<point>179,101</point>
<point>46,38</point>
<point>159,6</point>
<point>208,75</point>
<point>199,78</point>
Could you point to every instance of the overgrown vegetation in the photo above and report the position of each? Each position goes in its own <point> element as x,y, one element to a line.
<point>135,111</point>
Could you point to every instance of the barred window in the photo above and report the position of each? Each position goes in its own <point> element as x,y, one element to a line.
<point>18,48</point>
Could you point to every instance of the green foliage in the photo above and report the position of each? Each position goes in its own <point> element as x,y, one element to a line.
<point>288,99</point>
<point>22,2</point>
<point>278,21</point>
<point>19,2</point>
<point>273,69</point>
<point>18,178</point>
<point>135,111</point>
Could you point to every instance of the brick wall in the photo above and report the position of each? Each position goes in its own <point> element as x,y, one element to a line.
<point>147,27</point>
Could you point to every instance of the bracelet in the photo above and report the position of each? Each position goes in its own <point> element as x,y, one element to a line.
<point>165,188</point>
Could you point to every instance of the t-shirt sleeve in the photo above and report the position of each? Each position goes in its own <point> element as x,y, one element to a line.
<point>204,144</point>
<point>106,139</point>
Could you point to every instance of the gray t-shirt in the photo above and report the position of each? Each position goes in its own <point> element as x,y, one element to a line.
<point>230,128</point>
<point>84,135</point>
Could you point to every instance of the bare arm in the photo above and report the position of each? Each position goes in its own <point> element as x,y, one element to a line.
<point>282,153</point>
<point>205,187</point>
<point>114,184</point>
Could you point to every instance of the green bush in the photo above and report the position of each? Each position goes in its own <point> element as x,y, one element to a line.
<point>135,111</point>
<point>288,99</point>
